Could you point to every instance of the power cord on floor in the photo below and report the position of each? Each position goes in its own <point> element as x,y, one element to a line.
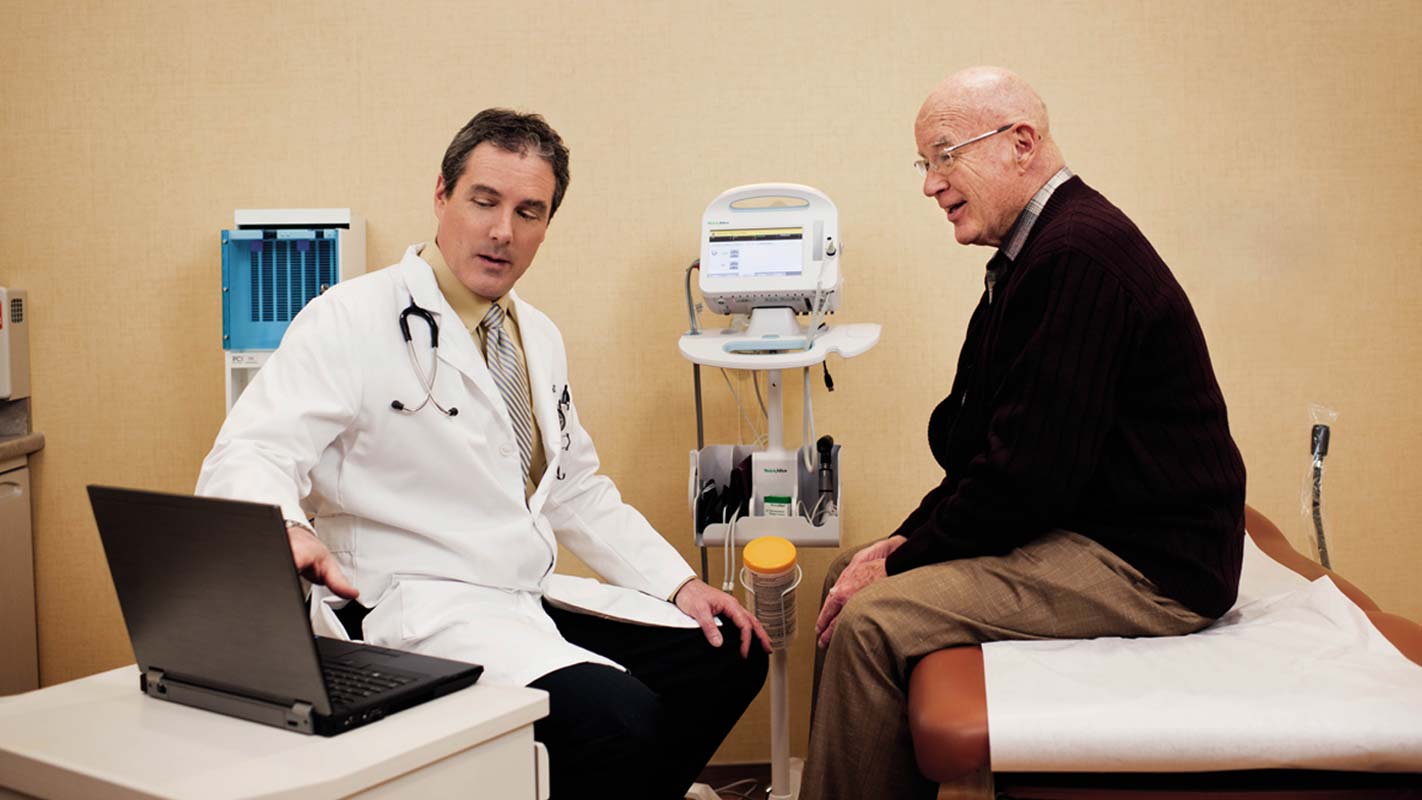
<point>734,790</point>
<point>746,789</point>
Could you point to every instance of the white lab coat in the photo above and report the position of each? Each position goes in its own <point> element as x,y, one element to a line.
<point>425,512</point>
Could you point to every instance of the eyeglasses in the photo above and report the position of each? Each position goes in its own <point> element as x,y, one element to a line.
<point>943,162</point>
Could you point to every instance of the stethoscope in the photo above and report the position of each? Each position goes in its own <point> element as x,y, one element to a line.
<point>565,401</point>
<point>415,362</point>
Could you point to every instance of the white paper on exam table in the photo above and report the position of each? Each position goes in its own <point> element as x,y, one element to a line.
<point>1293,676</point>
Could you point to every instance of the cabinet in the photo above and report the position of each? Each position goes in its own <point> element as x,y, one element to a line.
<point>101,737</point>
<point>19,659</point>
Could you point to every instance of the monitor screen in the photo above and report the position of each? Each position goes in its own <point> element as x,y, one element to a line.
<point>755,253</point>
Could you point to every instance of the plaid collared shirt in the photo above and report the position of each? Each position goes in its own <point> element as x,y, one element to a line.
<point>1023,226</point>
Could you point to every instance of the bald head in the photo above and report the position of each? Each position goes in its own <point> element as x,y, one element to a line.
<point>989,96</point>
<point>1007,151</point>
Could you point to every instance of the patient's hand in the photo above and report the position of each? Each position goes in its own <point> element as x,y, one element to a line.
<point>878,551</point>
<point>854,578</point>
<point>316,564</point>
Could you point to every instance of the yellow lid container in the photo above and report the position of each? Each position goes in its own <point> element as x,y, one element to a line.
<point>770,555</point>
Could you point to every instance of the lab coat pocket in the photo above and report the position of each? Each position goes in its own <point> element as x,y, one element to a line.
<point>385,624</point>
<point>324,621</point>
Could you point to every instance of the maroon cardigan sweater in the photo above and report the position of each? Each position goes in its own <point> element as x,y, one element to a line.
<point>1085,400</point>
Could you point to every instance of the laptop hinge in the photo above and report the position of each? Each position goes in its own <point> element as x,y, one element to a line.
<point>152,682</point>
<point>299,716</point>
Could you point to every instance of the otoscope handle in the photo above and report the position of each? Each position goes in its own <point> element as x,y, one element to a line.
<point>825,446</point>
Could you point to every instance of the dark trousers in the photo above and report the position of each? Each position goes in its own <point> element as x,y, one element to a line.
<point>649,731</point>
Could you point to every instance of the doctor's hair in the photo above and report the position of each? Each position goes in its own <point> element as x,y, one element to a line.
<point>517,133</point>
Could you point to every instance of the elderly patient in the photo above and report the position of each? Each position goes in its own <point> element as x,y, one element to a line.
<point>1091,486</point>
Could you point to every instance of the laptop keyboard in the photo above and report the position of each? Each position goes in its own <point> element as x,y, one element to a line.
<point>351,685</point>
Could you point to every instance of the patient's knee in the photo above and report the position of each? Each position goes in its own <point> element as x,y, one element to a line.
<point>861,624</point>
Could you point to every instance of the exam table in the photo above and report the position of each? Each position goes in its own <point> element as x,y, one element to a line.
<point>950,694</point>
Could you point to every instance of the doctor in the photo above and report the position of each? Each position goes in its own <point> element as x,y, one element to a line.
<point>444,466</point>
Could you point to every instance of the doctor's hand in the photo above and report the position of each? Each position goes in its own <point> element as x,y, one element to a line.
<point>316,564</point>
<point>854,578</point>
<point>702,603</point>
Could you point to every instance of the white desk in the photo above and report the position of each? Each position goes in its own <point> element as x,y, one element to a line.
<point>100,737</point>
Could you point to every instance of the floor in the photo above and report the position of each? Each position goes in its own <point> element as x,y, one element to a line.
<point>752,782</point>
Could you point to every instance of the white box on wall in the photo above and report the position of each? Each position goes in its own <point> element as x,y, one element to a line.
<point>14,344</point>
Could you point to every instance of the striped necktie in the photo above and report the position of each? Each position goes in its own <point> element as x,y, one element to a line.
<point>512,378</point>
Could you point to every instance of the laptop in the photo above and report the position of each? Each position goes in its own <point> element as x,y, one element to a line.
<point>218,621</point>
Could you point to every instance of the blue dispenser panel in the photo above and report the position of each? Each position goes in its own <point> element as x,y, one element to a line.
<point>267,277</point>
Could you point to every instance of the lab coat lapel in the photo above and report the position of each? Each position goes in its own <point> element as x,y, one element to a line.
<point>456,346</point>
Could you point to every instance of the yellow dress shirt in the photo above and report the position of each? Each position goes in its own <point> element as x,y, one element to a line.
<point>471,309</point>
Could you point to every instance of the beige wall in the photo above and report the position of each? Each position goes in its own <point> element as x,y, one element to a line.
<point>1269,150</point>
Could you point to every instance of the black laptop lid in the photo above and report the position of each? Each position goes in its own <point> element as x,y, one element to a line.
<point>209,592</point>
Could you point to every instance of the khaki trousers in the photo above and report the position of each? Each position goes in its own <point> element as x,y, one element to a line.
<point>1061,586</point>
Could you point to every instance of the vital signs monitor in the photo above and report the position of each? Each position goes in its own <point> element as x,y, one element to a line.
<point>770,245</point>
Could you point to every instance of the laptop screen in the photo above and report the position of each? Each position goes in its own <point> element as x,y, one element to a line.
<point>209,593</point>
